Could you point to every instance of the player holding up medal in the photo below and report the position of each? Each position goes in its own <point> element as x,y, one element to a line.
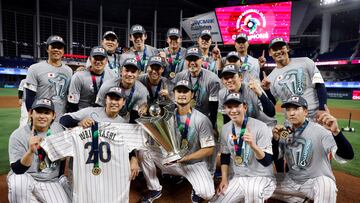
<point>32,174</point>
<point>248,153</point>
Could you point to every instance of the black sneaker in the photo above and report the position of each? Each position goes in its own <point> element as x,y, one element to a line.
<point>151,196</point>
<point>195,198</point>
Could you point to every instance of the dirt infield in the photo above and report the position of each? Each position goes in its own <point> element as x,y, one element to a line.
<point>348,187</point>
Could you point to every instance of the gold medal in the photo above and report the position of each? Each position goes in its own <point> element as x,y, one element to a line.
<point>42,165</point>
<point>172,75</point>
<point>238,160</point>
<point>193,103</point>
<point>184,144</point>
<point>96,171</point>
<point>284,134</point>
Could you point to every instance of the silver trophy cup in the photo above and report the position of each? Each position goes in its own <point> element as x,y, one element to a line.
<point>162,129</point>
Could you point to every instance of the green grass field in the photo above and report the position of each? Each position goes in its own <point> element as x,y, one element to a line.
<point>9,119</point>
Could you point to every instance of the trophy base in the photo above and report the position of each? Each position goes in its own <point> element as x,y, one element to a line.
<point>172,158</point>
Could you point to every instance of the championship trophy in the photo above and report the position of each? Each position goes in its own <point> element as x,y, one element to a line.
<point>161,127</point>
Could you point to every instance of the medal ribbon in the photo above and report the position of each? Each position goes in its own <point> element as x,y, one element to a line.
<point>40,151</point>
<point>95,143</point>
<point>93,78</point>
<point>128,98</point>
<point>245,65</point>
<point>112,67</point>
<point>183,128</point>
<point>148,86</point>
<point>174,62</point>
<point>196,89</point>
<point>141,62</point>
<point>238,142</point>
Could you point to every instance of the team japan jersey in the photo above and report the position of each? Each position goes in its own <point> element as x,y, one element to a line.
<point>115,143</point>
<point>82,91</point>
<point>250,167</point>
<point>297,78</point>
<point>50,82</point>
<point>306,152</point>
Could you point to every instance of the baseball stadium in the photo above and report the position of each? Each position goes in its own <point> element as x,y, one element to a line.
<point>180,101</point>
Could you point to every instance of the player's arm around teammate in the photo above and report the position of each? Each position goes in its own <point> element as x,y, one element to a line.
<point>33,177</point>
<point>246,150</point>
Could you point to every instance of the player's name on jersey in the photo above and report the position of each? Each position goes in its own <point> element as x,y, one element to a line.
<point>102,133</point>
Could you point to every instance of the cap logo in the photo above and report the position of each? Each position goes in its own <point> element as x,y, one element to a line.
<point>233,53</point>
<point>183,82</point>
<point>99,49</point>
<point>193,50</point>
<point>132,61</point>
<point>230,67</point>
<point>115,89</point>
<point>241,35</point>
<point>234,96</point>
<point>44,101</point>
<point>206,32</point>
<point>57,38</point>
<point>173,31</point>
<point>295,99</point>
<point>277,39</point>
<point>156,58</point>
<point>137,28</point>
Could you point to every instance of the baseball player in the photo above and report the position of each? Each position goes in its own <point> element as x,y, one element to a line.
<point>259,105</point>
<point>110,44</point>
<point>140,51</point>
<point>210,61</point>
<point>33,177</point>
<point>159,88</point>
<point>85,85</point>
<point>246,156</point>
<point>101,159</point>
<point>24,113</point>
<point>173,54</point>
<point>50,78</point>
<point>195,133</point>
<point>295,76</point>
<point>250,65</point>
<point>306,146</point>
<point>136,92</point>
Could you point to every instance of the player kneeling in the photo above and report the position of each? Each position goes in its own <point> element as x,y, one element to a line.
<point>33,177</point>
<point>245,149</point>
<point>306,148</point>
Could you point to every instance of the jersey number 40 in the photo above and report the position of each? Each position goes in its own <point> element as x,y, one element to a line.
<point>104,152</point>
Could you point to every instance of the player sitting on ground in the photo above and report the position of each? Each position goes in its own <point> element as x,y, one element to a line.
<point>33,177</point>
<point>306,146</point>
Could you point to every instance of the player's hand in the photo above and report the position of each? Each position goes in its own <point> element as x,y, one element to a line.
<point>20,102</point>
<point>265,83</point>
<point>86,122</point>
<point>254,86</point>
<point>262,60</point>
<point>216,52</point>
<point>134,168</point>
<point>320,112</point>
<point>142,109</point>
<point>249,138</point>
<point>34,141</point>
<point>276,132</point>
<point>222,187</point>
<point>329,122</point>
<point>162,55</point>
<point>185,158</point>
<point>164,93</point>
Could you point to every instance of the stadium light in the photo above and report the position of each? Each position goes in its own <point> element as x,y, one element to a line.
<point>328,2</point>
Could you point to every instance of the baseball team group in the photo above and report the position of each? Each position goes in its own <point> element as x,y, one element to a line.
<point>79,139</point>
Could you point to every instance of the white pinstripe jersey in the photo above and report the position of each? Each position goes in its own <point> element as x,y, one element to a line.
<point>115,143</point>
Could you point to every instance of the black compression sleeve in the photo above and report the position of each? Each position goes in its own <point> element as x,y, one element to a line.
<point>225,159</point>
<point>345,149</point>
<point>30,98</point>
<point>268,106</point>
<point>68,121</point>
<point>321,94</point>
<point>18,168</point>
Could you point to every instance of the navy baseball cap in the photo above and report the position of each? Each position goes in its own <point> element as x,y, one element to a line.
<point>137,29</point>
<point>295,100</point>
<point>241,37</point>
<point>183,83</point>
<point>231,68</point>
<point>232,55</point>
<point>192,52</point>
<point>98,51</point>
<point>118,91</point>
<point>277,40</point>
<point>55,39</point>
<point>155,60</point>
<point>205,33</point>
<point>43,103</point>
<point>234,98</point>
<point>110,33</point>
<point>173,32</point>
<point>131,62</point>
